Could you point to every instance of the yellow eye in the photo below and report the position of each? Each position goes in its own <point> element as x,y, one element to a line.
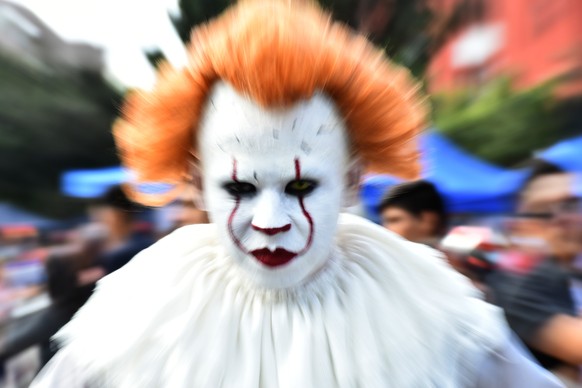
<point>300,187</point>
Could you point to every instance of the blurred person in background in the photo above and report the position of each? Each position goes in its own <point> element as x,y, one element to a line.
<point>61,264</point>
<point>187,210</point>
<point>94,250</point>
<point>542,302</point>
<point>415,211</point>
<point>118,216</point>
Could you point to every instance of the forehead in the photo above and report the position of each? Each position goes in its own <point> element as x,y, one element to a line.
<point>234,126</point>
<point>395,211</point>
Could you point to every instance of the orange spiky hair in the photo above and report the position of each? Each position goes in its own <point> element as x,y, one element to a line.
<point>276,52</point>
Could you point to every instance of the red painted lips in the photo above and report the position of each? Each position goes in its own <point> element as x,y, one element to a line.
<point>274,258</point>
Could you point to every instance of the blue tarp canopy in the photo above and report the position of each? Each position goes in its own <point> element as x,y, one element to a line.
<point>91,183</point>
<point>95,182</point>
<point>468,184</point>
<point>12,215</point>
<point>566,154</point>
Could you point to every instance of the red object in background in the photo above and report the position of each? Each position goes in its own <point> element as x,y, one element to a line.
<point>478,263</point>
<point>18,231</point>
<point>144,227</point>
<point>537,41</point>
<point>464,239</point>
<point>518,261</point>
<point>467,241</point>
<point>38,253</point>
<point>472,248</point>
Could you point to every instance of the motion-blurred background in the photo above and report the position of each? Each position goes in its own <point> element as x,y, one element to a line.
<point>505,80</point>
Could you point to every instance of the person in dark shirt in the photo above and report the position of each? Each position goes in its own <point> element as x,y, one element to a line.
<point>123,240</point>
<point>540,305</point>
<point>532,301</point>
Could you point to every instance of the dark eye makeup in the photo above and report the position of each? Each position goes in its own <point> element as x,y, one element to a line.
<point>240,189</point>
<point>300,187</point>
<point>296,188</point>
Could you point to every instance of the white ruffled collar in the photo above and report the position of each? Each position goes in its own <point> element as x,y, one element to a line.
<point>383,312</point>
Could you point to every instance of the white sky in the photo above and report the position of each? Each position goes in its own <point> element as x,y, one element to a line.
<point>123,28</point>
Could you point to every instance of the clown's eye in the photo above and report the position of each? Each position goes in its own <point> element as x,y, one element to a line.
<point>240,189</point>
<point>300,187</point>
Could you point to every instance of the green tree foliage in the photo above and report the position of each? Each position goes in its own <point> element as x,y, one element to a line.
<point>501,124</point>
<point>155,57</point>
<point>51,122</point>
<point>194,12</point>
<point>409,30</point>
<point>401,27</point>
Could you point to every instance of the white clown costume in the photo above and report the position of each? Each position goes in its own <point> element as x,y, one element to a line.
<point>280,290</point>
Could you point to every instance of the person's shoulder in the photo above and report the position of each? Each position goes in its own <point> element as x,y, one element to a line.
<point>511,365</point>
<point>192,233</point>
<point>421,273</point>
<point>130,300</point>
<point>547,281</point>
<point>183,241</point>
<point>532,299</point>
<point>63,370</point>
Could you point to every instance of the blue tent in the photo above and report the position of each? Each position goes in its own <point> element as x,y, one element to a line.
<point>469,185</point>
<point>566,154</point>
<point>91,183</point>
<point>12,215</point>
<point>94,183</point>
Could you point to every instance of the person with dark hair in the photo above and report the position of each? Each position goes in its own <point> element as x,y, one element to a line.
<point>539,168</point>
<point>118,215</point>
<point>415,211</point>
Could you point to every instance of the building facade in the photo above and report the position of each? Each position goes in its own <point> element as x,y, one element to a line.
<point>26,38</point>
<point>532,41</point>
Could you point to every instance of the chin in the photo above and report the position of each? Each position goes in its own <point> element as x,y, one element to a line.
<point>295,272</point>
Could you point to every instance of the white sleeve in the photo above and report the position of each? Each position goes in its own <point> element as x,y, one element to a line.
<point>62,371</point>
<point>513,366</point>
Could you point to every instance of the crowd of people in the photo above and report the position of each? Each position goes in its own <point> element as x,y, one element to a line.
<point>535,274</point>
<point>72,262</point>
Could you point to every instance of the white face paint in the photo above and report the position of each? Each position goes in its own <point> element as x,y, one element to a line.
<point>273,183</point>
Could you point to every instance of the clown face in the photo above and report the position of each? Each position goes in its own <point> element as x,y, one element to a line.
<point>273,182</point>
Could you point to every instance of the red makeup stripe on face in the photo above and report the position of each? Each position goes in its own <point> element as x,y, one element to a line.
<point>233,213</point>
<point>297,169</point>
<point>305,212</point>
<point>234,170</point>
<point>310,220</point>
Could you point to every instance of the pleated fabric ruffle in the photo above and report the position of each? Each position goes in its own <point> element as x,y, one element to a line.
<point>383,312</point>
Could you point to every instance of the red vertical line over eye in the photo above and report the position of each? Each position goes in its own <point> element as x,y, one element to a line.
<point>234,170</point>
<point>305,212</point>
<point>233,213</point>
